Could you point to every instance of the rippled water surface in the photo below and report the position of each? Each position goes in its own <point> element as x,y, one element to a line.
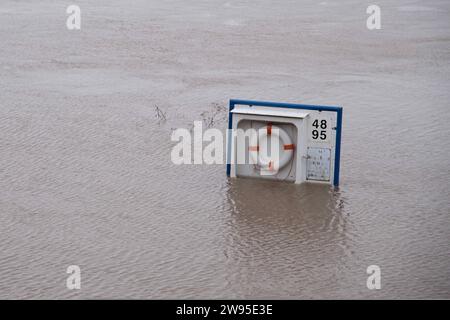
<point>85,170</point>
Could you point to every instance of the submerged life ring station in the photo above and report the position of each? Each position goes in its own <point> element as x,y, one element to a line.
<point>284,141</point>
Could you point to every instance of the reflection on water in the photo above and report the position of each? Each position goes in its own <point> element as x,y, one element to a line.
<point>300,211</point>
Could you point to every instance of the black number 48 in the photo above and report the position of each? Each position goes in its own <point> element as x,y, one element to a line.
<point>322,134</point>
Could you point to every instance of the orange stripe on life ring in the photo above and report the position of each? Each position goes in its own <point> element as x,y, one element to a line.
<point>269,129</point>
<point>289,146</point>
<point>253,148</point>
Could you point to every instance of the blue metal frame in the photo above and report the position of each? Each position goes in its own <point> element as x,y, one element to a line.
<point>338,110</point>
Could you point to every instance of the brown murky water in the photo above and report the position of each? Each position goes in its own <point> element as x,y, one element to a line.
<point>85,170</point>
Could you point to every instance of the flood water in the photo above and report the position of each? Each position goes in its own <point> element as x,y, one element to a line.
<point>86,177</point>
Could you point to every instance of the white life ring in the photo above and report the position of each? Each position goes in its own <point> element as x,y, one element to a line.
<point>260,158</point>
